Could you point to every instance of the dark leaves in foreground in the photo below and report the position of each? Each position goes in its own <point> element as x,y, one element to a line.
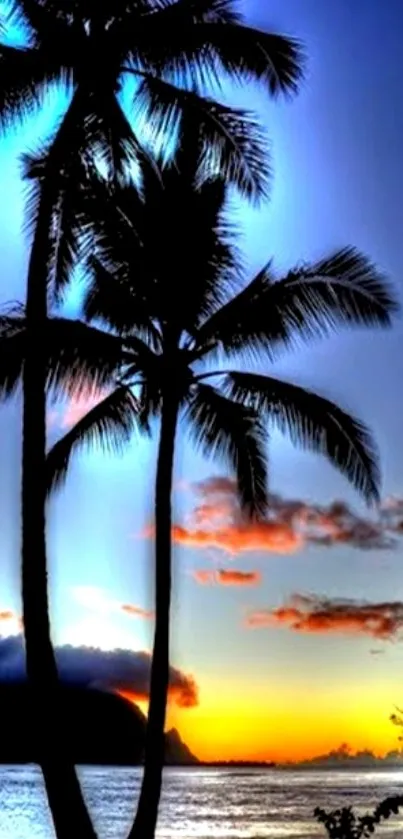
<point>234,146</point>
<point>314,423</point>
<point>221,427</point>
<point>344,824</point>
<point>109,424</point>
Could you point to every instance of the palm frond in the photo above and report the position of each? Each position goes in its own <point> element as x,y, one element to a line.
<point>128,273</point>
<point>12,318</point>
<point>345,288</point>
<point>194,42</point>
<point>115,213</point>
<point>150,400</point>
<point>234,145</point>
<point>60,169</point>
<point>12,356</point>
<point>249,55</point>
<point>69,236</point>
<point>82,358</point>
<point>119,146</point>
<point>25,77</point>
<point>109,424</point>
<point>40,19</point>
<point>64,157</point>
<point>313,422</point>
<point>115,301</point>
<point>155,43</point>
<point>243,323</point>
<point>222,428</point>
<point>187,12</point>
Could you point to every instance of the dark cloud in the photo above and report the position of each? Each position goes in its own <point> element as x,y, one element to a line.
<point>217,522</point>
<point>309,613</point>
<point>121,670</point>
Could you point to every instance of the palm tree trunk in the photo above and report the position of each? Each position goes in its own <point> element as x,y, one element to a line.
<point>147,810</point>
<point>51,738</point>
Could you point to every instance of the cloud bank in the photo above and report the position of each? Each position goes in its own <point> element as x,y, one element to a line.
<point>120,670</point>
<point>308,613</point>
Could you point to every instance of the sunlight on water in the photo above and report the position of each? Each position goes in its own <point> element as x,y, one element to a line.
<point>200,804</point>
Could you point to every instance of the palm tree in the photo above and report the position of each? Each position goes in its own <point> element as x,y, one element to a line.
<point>87,48</point>
<point>173,50</point>
<point>166,283</point>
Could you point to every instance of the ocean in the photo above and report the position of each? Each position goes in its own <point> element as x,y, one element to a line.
<point>202,803</point>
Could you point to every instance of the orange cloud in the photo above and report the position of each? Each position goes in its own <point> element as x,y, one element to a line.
<point>233,539</point>
<point>204,576</point>
<point>11,622</point>
<point>136,611</point>
<point>312,614</point>
<point>227,577</point>
<point>183,693</point>
<point>239,578</point>
<point>7,615</point>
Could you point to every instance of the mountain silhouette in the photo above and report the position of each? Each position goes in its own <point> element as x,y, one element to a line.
<point>102,727</point>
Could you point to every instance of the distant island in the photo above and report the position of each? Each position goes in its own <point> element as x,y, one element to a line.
<point>102,727</point>
<point>344,758</point>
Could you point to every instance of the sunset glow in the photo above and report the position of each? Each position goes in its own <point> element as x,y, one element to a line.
<point>286,633</point>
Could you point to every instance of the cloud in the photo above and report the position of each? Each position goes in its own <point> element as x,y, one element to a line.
<point>312,614</point>
<point>10,622</point>
<point>203,576</point>
<point>99,601</point>
<point>120,670</point>
<point>136,611</point>
<point>216,485</point>
<point>7,615</point>
<point>216,521</point>
<point>225,577</point>
<point>234,539</point>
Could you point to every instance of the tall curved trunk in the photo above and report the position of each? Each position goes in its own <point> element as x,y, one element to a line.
<point>67,805</point>
<point>147,811</point>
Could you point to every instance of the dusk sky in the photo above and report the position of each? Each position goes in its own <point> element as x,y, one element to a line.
<point>282,667</point>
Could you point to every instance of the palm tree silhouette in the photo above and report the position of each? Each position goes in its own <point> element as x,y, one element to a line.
<point>165,282</point>
<point>87,48</point>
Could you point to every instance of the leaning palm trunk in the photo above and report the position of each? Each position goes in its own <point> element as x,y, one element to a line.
<point>51,750</point>
<point>147,810</point>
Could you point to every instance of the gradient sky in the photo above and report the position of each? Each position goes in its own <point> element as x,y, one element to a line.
<point>267,692</point>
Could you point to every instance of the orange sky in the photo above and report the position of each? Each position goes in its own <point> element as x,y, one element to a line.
<point>229,725</point>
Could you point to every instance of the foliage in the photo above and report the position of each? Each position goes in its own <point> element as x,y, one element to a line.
<point>345,824</point>
<point>397,719</point>
<point>173,50</point>
<point>166,295</point>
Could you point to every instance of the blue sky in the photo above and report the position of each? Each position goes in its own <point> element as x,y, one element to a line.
<point>338,180</point>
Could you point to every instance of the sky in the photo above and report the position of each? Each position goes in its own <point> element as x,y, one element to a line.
<point>287,641</point>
